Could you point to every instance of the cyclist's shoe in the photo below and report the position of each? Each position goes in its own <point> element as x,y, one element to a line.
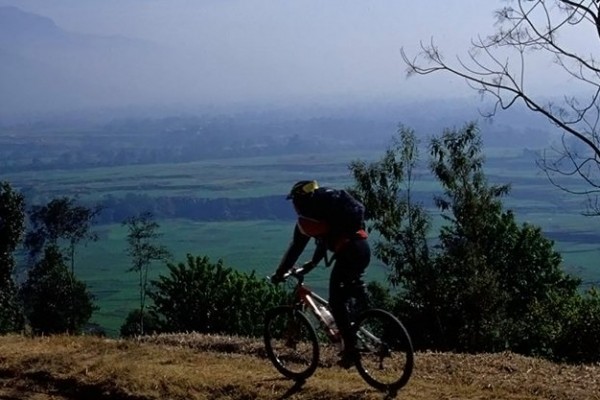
<point>347,359</point>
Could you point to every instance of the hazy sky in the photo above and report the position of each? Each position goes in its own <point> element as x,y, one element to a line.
<point>283,50</point>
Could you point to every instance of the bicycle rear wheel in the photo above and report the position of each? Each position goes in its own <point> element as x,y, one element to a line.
<point>385,350</point>
<point>291,342</point>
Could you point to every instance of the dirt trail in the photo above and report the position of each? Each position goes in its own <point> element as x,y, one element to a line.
<point>187,367</point>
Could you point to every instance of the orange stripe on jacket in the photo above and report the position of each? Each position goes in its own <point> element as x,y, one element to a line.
<point>312,227</point>
<point>341,242</point>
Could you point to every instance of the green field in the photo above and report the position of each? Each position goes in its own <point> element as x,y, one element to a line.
<point>245,246</point>
<point>258,245</point>
<point>232,177</point>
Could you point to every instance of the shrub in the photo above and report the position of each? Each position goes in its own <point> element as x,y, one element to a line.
<point>208,297</point>
<point>132,326</point>
<point>580,339</point>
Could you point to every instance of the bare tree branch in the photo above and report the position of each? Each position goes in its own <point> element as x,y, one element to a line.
<point>497,66</point>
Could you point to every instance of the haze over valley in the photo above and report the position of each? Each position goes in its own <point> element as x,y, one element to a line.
<point>186,56</point>
<point>204,112</point>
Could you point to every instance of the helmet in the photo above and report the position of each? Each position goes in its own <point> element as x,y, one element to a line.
<point>302,188</point>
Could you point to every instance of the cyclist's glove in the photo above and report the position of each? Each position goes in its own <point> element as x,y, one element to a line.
<point>308,266</point>
<point>277,278</point>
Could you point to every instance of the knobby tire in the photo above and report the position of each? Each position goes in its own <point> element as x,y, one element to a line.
<point>291,342</point>
<point>387,362</point>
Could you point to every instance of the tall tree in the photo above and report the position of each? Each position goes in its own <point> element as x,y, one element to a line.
<point>502,65</point>
<point>12,225</point>
<point>386,189</point>
<point>60,220</point>
<point>144,249</point>
<point>504,284</point>
<point>54,300</point>
<point>61,225</point>
<point>487,284</point>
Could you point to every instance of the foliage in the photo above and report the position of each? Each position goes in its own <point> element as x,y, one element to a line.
<point>143,250</point>
<point>487,284</point>
<point>60,219</point>
<point>138,322</point>
<point>12,225</point>
<point>210,298</point>
<point>379,296</point>
<point>54,300</point>
<point>503,284</point>
<point>580,339</point>
<point>385,189</point>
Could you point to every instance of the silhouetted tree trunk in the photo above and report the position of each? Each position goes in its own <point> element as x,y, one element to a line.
<point>143,250</point>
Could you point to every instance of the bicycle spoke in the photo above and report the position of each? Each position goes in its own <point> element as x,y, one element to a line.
<point>386,355</point>
<point>291,343</point>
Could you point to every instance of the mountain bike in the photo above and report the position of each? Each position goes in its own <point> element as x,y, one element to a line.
<point>295,334</point>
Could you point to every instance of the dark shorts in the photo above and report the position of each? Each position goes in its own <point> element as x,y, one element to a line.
<point>346,281</point>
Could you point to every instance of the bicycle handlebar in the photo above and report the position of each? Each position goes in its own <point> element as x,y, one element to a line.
<point>295,272</point>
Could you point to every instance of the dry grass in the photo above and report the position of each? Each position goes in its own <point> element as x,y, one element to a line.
<point>193,366</point>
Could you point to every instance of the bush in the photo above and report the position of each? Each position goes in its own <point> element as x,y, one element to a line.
<point>579,341</point>
<point>207,297</point>
<point>131,326</point>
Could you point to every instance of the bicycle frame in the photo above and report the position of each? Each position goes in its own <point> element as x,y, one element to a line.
<point>307,300</point>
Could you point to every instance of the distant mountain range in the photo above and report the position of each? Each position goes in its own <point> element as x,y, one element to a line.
<point>43,67</point>
<point>24,32</point>
<point>17,24</point>
<point>46,70</point>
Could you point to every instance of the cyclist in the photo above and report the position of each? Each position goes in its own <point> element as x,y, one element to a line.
<point>335,220</point>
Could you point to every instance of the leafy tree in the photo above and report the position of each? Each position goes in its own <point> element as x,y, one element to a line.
<point>501,282</point>
<point>583,323</point>
<point>60,220</point>
<point>501,66</point>
<point>208,297</point>
<point>379,296</point>
<point>54,300</point>
<point>143,250</point>
<point>385,187</point>
<point>487,284</point>
<point>12,225</point>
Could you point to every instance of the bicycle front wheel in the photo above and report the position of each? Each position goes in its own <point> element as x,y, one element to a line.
<point>291,342</point>
<point>385,350</point>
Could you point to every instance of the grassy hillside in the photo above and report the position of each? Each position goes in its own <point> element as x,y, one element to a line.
<point>216,367</point>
